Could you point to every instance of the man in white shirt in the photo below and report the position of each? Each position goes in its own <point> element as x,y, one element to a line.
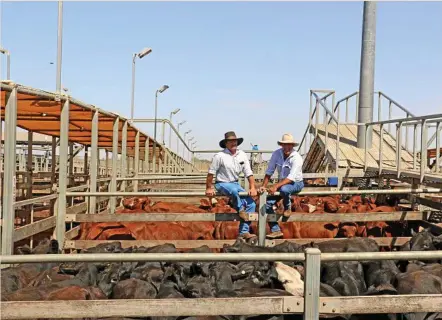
<point>226,167</point>
<point>288,163</point>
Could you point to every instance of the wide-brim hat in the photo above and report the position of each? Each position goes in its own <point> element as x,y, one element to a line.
<point>288,138</point>
<point>230,136</point>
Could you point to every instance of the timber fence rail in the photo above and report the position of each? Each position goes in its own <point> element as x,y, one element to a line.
<point>310,304</point>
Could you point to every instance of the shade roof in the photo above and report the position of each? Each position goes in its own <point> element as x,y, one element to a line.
<point>38,111</point>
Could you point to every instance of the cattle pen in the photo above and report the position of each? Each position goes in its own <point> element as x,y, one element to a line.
<point>95,199</point>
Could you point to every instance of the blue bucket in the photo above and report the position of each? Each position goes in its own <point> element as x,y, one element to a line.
<point>332,181</point>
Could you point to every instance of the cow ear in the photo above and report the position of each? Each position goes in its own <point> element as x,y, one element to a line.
<point>331,226</point>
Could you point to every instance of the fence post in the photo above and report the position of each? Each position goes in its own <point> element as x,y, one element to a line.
<point>60,228</point>
<point>262,219</point>
<point>312,283</point>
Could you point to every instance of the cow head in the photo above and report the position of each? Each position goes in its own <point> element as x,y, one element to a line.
<point>424,241</point>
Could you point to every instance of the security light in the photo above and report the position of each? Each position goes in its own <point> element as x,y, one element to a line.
<point>144,52</point>
<point>163,88</point>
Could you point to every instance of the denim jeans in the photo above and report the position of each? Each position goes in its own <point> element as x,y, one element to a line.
<point>285,192</point>
<point>231,190</point>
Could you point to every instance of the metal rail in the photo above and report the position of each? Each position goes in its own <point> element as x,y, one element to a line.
<point>243,194</point>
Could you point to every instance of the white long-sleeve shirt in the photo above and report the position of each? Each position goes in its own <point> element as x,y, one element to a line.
<point>227,167</point>
<point>290,168</point>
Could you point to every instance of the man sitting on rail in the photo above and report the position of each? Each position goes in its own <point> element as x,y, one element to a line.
<point>288,162</point>
<point>226,167</point>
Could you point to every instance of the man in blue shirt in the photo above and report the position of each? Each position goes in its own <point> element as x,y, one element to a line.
<point>288,162</point>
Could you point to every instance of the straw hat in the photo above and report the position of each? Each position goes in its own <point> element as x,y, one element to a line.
<point>288,138</point>
<point>230,136</point>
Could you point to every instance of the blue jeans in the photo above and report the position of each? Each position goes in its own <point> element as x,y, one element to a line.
<point>231,190</point>
<point>285,192</point>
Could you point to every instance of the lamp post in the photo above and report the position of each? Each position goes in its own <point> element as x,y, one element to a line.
<point>170,126</point>
<point>140,55</point>
<point>160,90</point>
<point>192,161</point>
<point>177,140</point>
<point>185,134</point>
<point>59,47</point>
<point>8,63</point>
<point>188,143</point>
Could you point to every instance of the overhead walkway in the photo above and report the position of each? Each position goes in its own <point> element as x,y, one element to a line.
<point>387,155</point>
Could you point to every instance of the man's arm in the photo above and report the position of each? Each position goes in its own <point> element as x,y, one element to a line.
<point>269,172</point>
<point>248,173</point>
<point>210,191</point>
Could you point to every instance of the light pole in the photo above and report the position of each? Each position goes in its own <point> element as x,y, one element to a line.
<point>185,134</point>
<point>188,143</point>
<point>170,126</point>
<point>8,63</point>
<point>160,90</point>
<point>192,160</point>
<point>59,46</point>
<point>140,55</point>
<point>177,140</point>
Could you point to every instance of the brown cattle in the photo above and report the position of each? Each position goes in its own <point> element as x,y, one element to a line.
<point>229,229</point>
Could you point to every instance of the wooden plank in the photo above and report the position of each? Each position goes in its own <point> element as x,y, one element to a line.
<point>77,208</point>
<point>148,307</point>
<point>155,217</point>
<point>301,217</point>
<point>217,306</point>
<point>74,232</point>
<point>356,217</point>
<point>217,244</point>
<point>381,304</point>
<point>33,228</point>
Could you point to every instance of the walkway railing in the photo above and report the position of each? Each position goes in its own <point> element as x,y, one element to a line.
<point>401,134</point>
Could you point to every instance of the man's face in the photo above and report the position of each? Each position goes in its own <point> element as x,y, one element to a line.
<point>232,144</point>
<point>287,148</point>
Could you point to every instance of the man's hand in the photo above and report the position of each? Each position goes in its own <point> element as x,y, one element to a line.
<point>262,189</point>
<point>210,192</point>
<point>252,192</point>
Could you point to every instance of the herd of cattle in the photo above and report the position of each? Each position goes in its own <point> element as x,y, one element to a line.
<point>228,230</point>
<point>155,280</point>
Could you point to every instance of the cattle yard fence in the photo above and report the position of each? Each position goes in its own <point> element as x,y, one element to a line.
<point>311,305</point>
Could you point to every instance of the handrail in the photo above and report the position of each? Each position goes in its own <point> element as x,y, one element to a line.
<point>409,119</point>
<point>199,256</point>
<point>397,104</point>
<point>325,107</point>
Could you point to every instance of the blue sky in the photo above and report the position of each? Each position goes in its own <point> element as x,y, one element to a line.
<point>243,66</point>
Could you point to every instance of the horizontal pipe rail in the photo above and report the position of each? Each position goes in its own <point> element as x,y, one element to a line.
<point>427,117</point>
<point>202,194</point>
<point>149,257</point>
<point>160,178</point>
<point>191,257</point>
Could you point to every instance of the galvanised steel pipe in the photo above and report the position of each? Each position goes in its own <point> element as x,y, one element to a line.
<point>202,194</point>
<point>150,257</point>
<point>190,257</point>
<point>402,255</point>
<point>161,178</point>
